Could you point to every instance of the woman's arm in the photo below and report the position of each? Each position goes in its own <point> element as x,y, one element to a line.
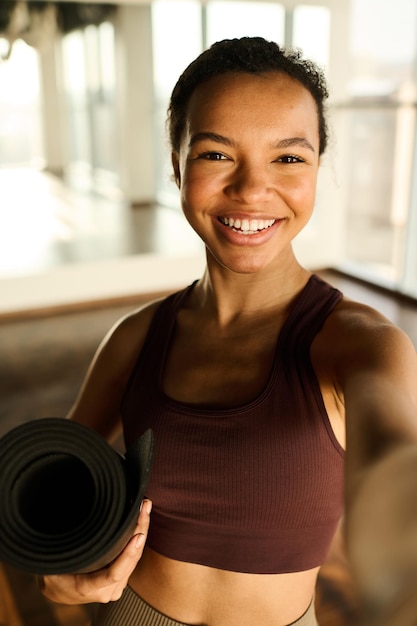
<point>98,407</point>
<point>99,400</point>
<point>378,375</point>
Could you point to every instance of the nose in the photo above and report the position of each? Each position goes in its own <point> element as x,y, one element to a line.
<point>250,183</point>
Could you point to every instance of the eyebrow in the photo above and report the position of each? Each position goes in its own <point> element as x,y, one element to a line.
<point>212,137</point>
<point>226,141</point>
<point>294,141</point>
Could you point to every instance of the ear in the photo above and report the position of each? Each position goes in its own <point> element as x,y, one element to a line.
<point>175,160</point>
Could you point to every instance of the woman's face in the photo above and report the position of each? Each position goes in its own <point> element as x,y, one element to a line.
<point>247,167</point>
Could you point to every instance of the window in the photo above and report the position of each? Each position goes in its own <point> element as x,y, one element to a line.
<point>262,19</point>
<point>311,30</point>
<point>380,118</point>
<point>173,50</point>
<point>89,79</point>
<point>20,118</point>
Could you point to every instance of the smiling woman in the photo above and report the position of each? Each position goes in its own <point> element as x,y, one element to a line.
<point>253,379</point>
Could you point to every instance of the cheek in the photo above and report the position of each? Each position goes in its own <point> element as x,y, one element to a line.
<point>300,192</point>
<point>190,195</point>
<point>197,189</point>
<point>193,198</point>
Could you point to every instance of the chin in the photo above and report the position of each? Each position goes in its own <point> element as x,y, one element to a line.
<point>250,261</point>
<point>245,266</point>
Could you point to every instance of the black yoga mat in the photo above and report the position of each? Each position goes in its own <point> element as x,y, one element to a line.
<point>68,501</point>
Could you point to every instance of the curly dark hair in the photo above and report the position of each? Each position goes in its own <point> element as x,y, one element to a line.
<point>252,55</point>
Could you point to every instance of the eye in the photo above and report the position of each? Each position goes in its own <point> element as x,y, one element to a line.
<point>212,156</point>
<point>290,158</point>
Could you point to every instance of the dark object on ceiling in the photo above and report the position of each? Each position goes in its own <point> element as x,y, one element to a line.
<point>37,22</point>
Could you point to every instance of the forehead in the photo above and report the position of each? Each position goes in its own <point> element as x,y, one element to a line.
<point>256,99</point>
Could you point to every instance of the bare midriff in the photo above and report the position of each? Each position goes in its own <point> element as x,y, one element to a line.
<point>205,596</point>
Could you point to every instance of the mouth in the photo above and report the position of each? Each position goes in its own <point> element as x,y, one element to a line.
<point>246,226</point>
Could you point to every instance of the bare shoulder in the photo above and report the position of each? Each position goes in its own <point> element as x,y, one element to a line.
<point>375,367</point>
<point>121,346</point>
<point>362,337</point>
<point>366,358</point>
<point>353,315</point>
<point>98,403</point>
<point>129,332</point>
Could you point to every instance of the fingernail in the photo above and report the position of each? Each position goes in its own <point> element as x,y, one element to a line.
<point>148,505</point>
<point>140,540</point>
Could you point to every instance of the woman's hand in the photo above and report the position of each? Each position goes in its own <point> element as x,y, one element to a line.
<point>104,585</point>
<point>383,539</point>
<point>402,611</point>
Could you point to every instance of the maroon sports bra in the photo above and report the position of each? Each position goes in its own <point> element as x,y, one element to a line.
<point>257,488</point>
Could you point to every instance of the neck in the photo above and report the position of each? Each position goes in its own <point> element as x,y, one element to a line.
<point>226,297</point>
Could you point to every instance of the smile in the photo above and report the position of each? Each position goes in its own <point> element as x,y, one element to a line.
<point>246,226</point>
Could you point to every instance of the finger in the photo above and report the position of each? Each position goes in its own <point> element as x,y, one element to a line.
<point>128,559</point>
<point>142,526</point>
<point>122,567</point>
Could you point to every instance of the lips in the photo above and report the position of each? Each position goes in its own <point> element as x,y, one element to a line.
<point>247,226</point>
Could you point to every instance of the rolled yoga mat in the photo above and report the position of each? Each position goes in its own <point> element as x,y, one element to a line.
<point>69,502</point>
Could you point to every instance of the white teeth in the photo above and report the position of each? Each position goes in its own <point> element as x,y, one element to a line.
<point>247,226</point>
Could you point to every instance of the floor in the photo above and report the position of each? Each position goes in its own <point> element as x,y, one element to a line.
<point>62,243</point>
<point>45,223</point>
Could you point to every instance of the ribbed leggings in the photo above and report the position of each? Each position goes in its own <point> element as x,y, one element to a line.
<point>131,610</point>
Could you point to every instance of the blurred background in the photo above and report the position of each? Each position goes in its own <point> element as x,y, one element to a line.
<point>84,166</point>
<point>90,221</point>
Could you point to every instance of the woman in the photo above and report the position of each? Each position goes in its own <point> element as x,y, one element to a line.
<point>250,377</point>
